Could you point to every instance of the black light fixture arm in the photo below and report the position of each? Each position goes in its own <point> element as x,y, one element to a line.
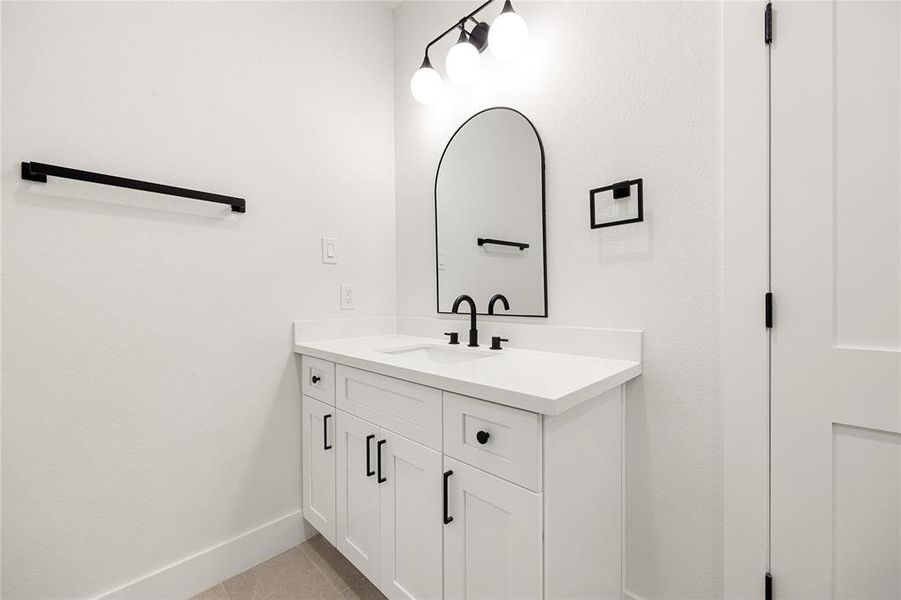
<point>457,24</point>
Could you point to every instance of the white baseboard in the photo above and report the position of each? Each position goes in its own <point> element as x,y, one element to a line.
<point>196,573</point>
<point>630,596</point>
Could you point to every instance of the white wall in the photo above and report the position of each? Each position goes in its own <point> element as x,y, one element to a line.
<point>150,394</point>
<point>617,91</point>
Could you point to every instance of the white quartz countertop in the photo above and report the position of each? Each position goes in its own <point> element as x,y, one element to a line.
<point>542,382</point>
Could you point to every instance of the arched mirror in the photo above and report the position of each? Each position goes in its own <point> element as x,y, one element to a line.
<point>489,215</point>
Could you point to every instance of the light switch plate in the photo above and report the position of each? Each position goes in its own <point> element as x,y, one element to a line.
<point>348,296</point>
<point>329,250</point>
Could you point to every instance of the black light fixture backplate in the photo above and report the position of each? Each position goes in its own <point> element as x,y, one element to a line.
<point>478,37</point>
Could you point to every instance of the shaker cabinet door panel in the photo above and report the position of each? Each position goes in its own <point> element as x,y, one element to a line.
<point>358,493</point>
<point>410,519</point>
<point>318,439</point>
<point>492,547</point>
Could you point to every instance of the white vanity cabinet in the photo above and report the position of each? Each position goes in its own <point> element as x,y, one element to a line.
<point>410,502</point>
<point>318,464</point>
<point>492,542</point>
<point>436,494</point>
<point>389,508</point>
<point>358,494</point>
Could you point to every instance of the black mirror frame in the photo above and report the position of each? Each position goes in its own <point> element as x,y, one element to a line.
<point>543,216</point>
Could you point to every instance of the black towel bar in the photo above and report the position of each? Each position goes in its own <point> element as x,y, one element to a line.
<point>35,171</point>
<point>520,245</point>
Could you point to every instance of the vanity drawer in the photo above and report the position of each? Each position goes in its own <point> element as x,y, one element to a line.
<point>499,439</point>
<point>318,379</point>
<point>409,409</point>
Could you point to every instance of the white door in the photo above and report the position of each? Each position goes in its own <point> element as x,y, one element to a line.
<point>357,444</point>
<point>492,542</point>
<point>411,519</point>
<point>836,260</point>
<point>318,435</point>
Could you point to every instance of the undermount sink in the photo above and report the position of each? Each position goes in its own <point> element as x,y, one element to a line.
<point>437,354</point>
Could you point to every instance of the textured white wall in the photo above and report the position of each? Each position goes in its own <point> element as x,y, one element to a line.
<point>617,91</point>
<point>150,394</point>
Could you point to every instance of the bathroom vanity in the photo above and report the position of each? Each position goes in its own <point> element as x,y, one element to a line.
<point>446,471</point>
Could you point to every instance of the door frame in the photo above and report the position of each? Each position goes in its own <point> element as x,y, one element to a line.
<point>745,164</point>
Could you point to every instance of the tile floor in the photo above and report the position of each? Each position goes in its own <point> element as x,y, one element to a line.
<point>313,570</point>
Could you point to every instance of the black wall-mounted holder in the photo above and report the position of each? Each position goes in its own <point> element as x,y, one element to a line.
<point>620,190</point>
<point>483,241</point>
<point>34,171</point>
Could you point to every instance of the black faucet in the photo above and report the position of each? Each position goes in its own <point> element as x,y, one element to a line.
<point>473,332</point>
<point>494,299</point>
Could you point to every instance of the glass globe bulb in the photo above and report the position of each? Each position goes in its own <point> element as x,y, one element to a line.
<point>463,63</point>
<point>508,35</point>
<point>426,84</point>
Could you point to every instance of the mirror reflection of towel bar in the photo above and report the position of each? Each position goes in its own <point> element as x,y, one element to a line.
<point>520,245</point>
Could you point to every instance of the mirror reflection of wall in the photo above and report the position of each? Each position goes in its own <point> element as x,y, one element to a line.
<point>490,185</point>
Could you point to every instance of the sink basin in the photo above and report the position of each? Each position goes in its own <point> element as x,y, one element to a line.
<point>438,355</point>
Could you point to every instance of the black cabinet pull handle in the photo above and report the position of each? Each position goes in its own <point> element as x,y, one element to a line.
<point>325,432</point>
<point>378,460</point>
<point>447,518</point>
<point>483,436</point>
<point>315,379</point>
<point>369,471</point>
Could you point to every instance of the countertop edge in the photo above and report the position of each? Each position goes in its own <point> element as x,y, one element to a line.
<point>537,404</point>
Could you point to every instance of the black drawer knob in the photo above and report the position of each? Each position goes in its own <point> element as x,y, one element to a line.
<point>315,379</point>
<point>483,436</point>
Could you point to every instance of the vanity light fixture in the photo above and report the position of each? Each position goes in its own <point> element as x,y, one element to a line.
<point>426,85</point>
<point>507,36</point>
<point>463,61</point>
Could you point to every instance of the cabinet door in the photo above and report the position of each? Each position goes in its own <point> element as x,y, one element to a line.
<point>358,493</point>
<point>318,439</point>
<point>492,547</point>
<point>410,519</point>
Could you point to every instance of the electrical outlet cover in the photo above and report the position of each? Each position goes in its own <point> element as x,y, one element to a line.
<point>348,296</point>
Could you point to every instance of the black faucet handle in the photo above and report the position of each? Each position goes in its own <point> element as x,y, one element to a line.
<point>496,342</point>
<point>454,337</point>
